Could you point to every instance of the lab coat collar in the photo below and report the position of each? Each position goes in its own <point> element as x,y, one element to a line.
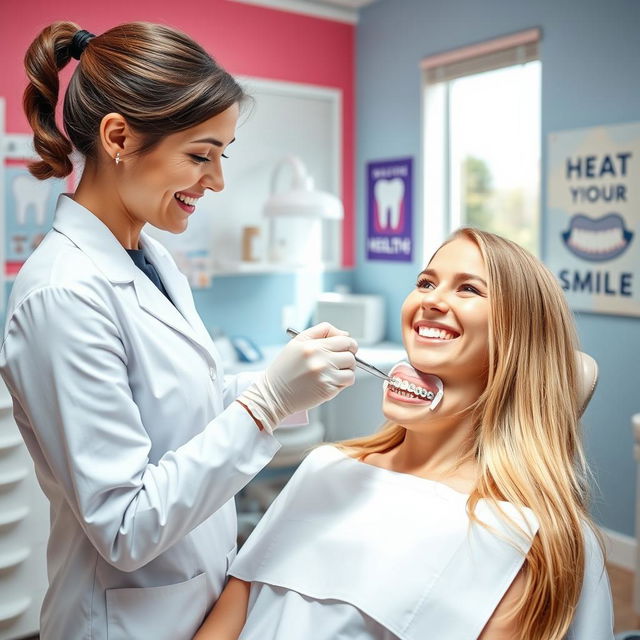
<point>177,287</point>
<point>97,241</point>
<point>94,238</point>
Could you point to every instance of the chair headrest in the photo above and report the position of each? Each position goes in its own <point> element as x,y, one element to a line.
<point>587,379</point>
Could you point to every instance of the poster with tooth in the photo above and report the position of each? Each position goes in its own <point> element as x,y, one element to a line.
<point>2,203</point>
<point>592,228</point>
<point>389,210</point>
<point>29,207</point>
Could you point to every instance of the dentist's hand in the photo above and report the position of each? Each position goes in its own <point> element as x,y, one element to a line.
<point>312,368</point>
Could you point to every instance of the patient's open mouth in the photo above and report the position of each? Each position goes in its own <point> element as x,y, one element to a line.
<point>414,387</point>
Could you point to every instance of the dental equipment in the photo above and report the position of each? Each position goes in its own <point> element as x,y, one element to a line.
<point>361,364</point>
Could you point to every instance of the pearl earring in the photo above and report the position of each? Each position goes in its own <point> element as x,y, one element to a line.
<point>117,158</point>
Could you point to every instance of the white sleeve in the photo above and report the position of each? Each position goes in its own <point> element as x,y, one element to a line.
<point>234,385</point>
<point>593,619</point>
<point>66,367</point>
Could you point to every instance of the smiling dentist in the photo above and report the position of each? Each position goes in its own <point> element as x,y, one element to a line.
<point>138,442</point>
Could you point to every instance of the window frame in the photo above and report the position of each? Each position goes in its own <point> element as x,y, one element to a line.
<point>438,71</point>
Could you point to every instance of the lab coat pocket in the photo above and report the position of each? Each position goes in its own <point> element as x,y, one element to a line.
<point>171,612</point>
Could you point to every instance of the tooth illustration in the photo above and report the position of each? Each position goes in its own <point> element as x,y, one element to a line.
<point>389,195</point>
<point>30,192</point>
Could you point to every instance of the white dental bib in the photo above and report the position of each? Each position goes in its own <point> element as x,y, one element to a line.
<point>398,548</point>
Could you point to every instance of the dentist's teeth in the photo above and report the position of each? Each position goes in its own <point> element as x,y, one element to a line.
<point>186,199</point>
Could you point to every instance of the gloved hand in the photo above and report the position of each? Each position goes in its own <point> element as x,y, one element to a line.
<point>312,368</point>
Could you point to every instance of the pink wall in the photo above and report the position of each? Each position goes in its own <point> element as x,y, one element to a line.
<point>244,38</point>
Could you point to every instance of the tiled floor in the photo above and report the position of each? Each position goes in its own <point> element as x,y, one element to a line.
<point>622,589</point>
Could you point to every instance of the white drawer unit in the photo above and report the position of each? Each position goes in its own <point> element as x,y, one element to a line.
<point>24,529</point>
<point>363,316</point>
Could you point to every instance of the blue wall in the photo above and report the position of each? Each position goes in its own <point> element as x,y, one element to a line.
<point>252,305</point>
<point>590,51</point>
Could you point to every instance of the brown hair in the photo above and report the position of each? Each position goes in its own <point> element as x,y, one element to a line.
<point>157,78</point>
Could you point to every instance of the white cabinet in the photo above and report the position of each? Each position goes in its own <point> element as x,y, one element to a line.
<point>24,529</point>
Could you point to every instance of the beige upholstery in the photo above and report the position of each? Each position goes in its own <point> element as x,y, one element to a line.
<point>588,378</point>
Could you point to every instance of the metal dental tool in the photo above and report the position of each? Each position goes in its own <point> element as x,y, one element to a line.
<point>361,364</point>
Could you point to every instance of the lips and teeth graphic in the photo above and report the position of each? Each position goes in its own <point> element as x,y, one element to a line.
<point>597,239</point>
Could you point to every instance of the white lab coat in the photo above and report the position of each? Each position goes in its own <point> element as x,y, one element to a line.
<point>135,437</point>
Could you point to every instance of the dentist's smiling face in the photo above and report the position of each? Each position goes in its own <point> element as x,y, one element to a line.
<point>445,319</point>
<point>162,187</point>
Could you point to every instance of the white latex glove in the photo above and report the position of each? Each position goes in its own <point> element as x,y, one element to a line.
<point>312,368</point>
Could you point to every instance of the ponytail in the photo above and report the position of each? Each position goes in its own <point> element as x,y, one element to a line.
<point>156,77</point>
<point>47,55</point>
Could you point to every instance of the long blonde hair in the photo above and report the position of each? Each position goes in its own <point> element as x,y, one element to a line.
<point>527,441</point>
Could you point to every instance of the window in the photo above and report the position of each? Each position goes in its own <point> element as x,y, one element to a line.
<point>482,140</point>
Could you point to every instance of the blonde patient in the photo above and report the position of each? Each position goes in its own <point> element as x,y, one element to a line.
<point>466,516</point>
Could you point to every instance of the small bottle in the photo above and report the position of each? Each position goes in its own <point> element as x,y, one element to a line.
<point>250,241</point>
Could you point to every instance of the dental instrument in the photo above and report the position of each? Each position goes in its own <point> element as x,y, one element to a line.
<point>361,364</point>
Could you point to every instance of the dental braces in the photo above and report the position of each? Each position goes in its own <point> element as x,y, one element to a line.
<point>404,385</point>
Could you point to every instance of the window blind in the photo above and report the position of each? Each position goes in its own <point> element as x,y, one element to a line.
<point>517,48</point>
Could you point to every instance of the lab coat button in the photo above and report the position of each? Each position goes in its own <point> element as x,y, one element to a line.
<point>212,373</point>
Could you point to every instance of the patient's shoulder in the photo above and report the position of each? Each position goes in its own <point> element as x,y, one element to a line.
<point>327,458</point>
<point>323,456</point>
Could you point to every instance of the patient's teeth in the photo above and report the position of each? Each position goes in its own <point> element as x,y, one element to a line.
<point>404,385</point>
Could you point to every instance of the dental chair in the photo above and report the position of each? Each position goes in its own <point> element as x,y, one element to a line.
<point>588,374</point>
<point>588,378</point>
<point>635,635</point>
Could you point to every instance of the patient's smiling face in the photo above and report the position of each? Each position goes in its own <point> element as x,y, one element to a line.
<point>445,330</point>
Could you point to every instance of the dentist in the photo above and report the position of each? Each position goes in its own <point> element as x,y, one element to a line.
<point>138,441</point>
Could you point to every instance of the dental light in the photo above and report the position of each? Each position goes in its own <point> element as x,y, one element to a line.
<point>296,216</point>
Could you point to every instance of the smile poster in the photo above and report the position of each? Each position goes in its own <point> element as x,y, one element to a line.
<point>593,217</point>
<point>389,210</point>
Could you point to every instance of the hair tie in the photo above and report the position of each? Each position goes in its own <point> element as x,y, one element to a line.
<point>79,43</point>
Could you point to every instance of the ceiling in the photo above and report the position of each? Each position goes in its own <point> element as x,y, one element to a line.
<point>342,10</point>
<point>348,4</point>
